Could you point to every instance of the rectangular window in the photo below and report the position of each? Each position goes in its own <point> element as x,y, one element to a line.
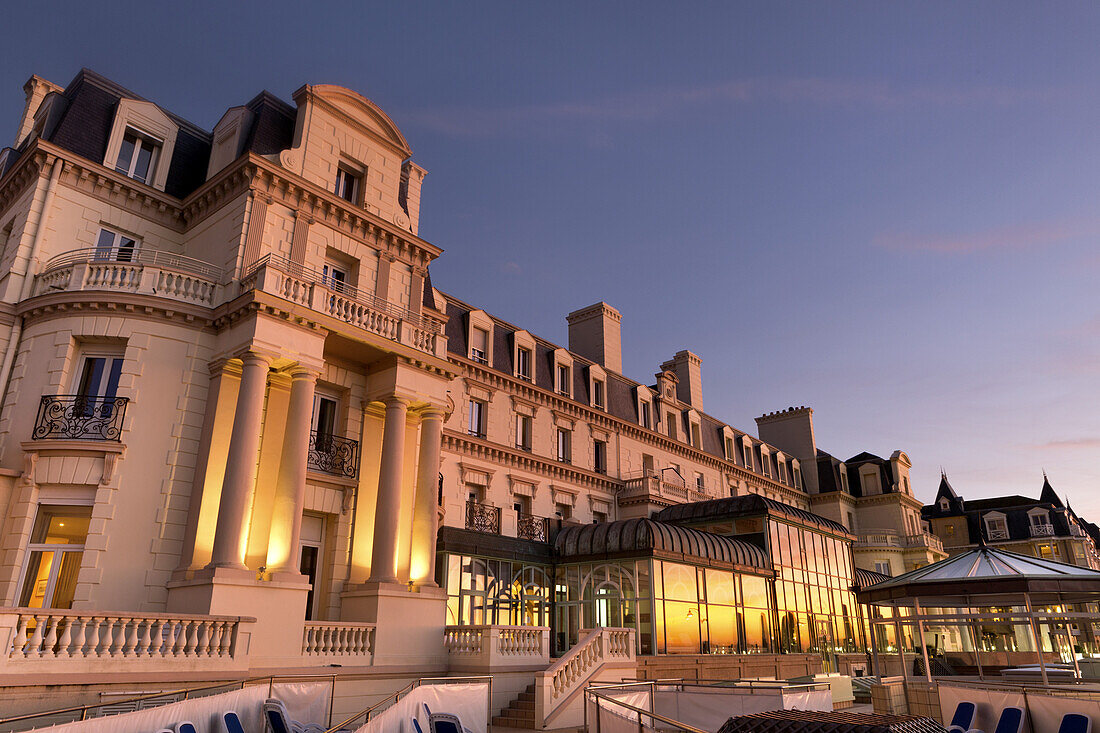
<point>783,472</point>
<point>115,247</point>
<point>670,418</point>
<point>477,418</point>
<point>598,517</point>
<point>523,364</point>
<point>347,185</point>
<point>797,478</point>
<point>137,158</point>
<point>597,393</point>
<point>883,567</point>
<point>563,445</point>
<point>98,376</point>
<point>747,457</point>
<point>523,432</point>
<point>765,463</point>
<point>699,484</point>
<point>563,511</point>
<point>335,277</point>
<point>696,436</point>
<point>324,418</point>
<point>643,414</point>
<point>53,556</point>
<point>599,456</point>
<point>563,380</point>
<point>479,345</point>
<point>729,449</point>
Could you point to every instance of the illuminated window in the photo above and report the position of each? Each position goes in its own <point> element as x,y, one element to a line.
<point>54,554</point>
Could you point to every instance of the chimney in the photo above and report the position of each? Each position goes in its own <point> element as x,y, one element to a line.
<point>595,333</point>
<point>792,431</point>
<point>688,369</point>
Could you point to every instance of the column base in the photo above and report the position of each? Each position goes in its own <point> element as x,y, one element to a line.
<point>410,623</point>
<point>279,609</point>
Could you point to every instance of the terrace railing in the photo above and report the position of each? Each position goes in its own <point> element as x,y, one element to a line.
<point>79,417</point>
<point>311,288</point>
<point>530,527</point>
<point>482,517</point>
<point>333,455</point>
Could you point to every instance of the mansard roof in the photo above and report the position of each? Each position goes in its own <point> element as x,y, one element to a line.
<point>1048,494</point>
<point>629,537</point>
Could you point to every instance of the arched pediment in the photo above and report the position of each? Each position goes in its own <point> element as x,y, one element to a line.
<point>359,110</point>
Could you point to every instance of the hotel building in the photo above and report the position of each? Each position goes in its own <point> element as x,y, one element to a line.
<point>242,433</point>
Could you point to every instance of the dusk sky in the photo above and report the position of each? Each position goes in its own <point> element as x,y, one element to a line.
<point>885,211</point>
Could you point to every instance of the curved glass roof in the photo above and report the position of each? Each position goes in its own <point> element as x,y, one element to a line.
<point>634,537</point>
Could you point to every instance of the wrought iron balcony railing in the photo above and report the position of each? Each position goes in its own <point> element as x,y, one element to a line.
<point>530,527</point>
<point>80,417</point>
<point>333,455</point>
<point>482,517</point>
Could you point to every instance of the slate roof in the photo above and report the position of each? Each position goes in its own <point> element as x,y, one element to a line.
<point>743,506</point>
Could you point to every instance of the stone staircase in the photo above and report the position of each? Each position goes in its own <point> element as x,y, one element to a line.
<point>520,713</point>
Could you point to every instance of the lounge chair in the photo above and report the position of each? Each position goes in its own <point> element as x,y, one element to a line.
<point>1011,721</point>
<point>963,718</point>
<point>229,722</point>
<point>444,723</point>
<point>186,726</point>
<point>1075,723</point>
<point>279,721</point>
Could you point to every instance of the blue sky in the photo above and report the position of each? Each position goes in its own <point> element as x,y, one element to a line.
<point>885,211</point>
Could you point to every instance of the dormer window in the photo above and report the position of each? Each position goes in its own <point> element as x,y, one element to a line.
<point>597,393</point>
<point>746,454</point>
<point>996,526</point>
<point>523,364</point>
<point>479,345</point>
<point>479,335</point>
<point>644,417</point>
<point>137,156</point>
<point>945,505</point>
<point>348,184</point>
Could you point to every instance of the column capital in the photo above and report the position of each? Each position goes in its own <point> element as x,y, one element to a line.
<point>432,412</point>
<point>300,372</point>
<point>394,400</point>
<point>250,356</point>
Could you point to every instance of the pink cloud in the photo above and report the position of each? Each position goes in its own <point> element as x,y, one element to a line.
<point>1023,235</point>
<point>649,104</point>
<point>1071,444</point>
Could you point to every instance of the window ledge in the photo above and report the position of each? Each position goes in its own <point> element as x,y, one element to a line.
<point>66,445</point>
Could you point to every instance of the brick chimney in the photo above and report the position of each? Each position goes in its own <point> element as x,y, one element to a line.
<point>595,333</point>
<point>688,369</point>
<point>792,431</point>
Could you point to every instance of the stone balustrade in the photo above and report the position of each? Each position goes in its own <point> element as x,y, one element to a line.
<point>652,485</point>
<point>309,288</point>
<point>148,272</point>
<point>483,648</point>
<point>893,538</point>
<point>605,655</point>
<point>46,640</point>
<point>344,639</point>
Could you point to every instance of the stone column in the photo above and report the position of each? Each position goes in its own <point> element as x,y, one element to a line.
<point>425,510</point>
<point>286,515</point>
<point>240,465</point>
<point>388,512</point>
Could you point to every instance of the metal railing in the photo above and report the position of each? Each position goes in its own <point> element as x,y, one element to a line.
<point>1042,530</point>
<point>79,417</point>
<point>333,455</point>
<point>530,527</point>
<point>603,700</point>
<point>482,517</point>
<point>139,256</point>
<point>365,714</point>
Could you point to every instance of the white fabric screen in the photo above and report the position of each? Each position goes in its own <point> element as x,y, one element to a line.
<point>306,702</point>
<point>470,702</point>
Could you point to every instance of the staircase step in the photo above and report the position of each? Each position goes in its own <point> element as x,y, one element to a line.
<point>526,697</point>
<point>518,715</point>
<point>513,723</point>
<point>522,705</point>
